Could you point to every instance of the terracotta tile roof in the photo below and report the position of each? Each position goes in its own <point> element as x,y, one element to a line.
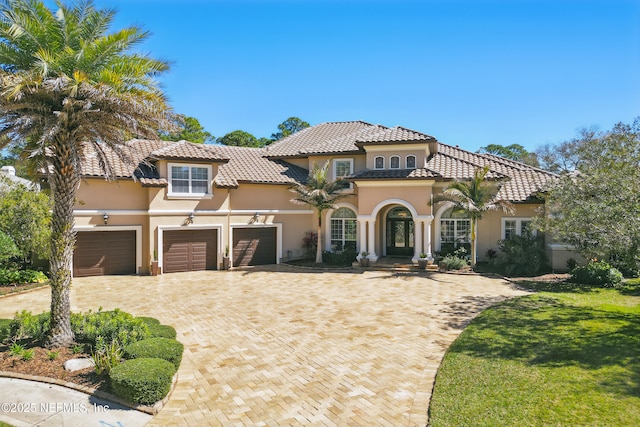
<point>325,138</point>
<point>184,150</point>
<point>421,173</point>
<point>397,134</point>
<point>249,165</point>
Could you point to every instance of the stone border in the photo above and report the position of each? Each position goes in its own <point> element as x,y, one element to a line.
<point>26,291</point>
<point>151,410</point>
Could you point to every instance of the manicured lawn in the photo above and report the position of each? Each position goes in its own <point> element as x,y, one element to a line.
<point>566,356</point>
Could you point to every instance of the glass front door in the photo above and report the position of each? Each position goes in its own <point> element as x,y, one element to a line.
<point>399,232</point>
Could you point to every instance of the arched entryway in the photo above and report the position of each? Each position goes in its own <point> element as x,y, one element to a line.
<point>400,232</point>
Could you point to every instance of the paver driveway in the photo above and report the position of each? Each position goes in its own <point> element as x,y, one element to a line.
<point>282,346</point>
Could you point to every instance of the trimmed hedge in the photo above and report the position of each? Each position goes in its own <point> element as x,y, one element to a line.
<point>599,273</point>
<point>144,381</point>
<point>158,330</point>
<point>162,348</point>
<point>114,325</point>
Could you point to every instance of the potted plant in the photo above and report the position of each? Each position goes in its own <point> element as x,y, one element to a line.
<point>422,262</point>
<point>226,262</point>
<point>364,261</point>
<point>155,270</point>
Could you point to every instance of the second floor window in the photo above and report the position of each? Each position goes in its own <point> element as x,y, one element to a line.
<point>378,162</point>
<point>394,162</point>
<point>190,179</point>
<point>411,162</point>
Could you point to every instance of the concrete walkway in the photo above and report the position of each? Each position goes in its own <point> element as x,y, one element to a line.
<point>282,346</point>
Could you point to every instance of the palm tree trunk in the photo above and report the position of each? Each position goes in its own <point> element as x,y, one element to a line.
<point>319,248</point>
<point>64,183</point>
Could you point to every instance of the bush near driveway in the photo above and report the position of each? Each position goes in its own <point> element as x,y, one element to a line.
<point>566,356</point>
<point>145,380</point>
<point>162,348</point>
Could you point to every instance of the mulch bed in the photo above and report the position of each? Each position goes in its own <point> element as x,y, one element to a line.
<point>41,365</point>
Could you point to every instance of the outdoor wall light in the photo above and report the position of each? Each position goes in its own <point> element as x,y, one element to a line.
<point>191,217</point>
<point>105,217</point>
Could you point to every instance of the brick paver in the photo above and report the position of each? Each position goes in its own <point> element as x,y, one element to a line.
<point>290,347</point>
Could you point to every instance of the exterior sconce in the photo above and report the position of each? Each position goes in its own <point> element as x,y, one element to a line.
<point>190,219</point>
<point>255,218</point>
<point>105,217</point>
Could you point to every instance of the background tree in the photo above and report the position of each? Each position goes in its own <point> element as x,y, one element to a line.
<point>514,152</point>
<point>25,217</point>
<point>189,129</point>
<point>67,87</point>
<point>320,194</point>
<point>473,199</point>
<point>597,207</point>
<point>239,138</point>
<point>564,157</point>
<point>288,127</point>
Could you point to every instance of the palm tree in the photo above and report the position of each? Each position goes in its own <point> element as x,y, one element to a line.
<point>68,88</point>
<point>320,194</point>
<point>472,199</point>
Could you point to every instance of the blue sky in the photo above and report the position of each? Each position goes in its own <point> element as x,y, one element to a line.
<point>470,73</point>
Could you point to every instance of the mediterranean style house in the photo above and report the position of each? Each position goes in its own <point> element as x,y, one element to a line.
<point>189,205</point>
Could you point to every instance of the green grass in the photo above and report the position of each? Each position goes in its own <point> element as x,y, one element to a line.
<point>565,356</point>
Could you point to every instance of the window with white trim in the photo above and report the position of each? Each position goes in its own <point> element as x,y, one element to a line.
<point>410,162</point>
<point>343,168</point>
<point>516,227</point>
<point>378,162</point>
<point>343,230</point>
<point>189,180</point>
<point>394,162</point>
<point>455,231</point>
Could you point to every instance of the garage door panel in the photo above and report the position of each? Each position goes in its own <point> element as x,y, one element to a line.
<point>189,250</point>
<point>254,246</point>
<point>104,252</point>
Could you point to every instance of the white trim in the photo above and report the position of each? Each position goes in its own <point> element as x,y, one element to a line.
<point>160,212</point>
<point>518,220</point>
<point>421,146</point>
<point>374,162</point>
<point>136,228</point>
<point>415,161</point>
<point>438,232</point>
<point>163,228</point>
<point>399,183</point>
<point>190,195</point>
<point>276,225</point>
<point>327,222</point>
<point>351,165</point>
<point>395,156</point>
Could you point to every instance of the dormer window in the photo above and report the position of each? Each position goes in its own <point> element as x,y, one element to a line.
<point>378,162</point>
<point>189,180</point>
<point>411,162</point>
<point>343,168</point>
<point>394,162</point>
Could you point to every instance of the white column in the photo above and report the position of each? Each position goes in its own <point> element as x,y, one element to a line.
<point>417,246</point>
<point>362,226</point>
<point>371,247</point>
<point>427,238</point>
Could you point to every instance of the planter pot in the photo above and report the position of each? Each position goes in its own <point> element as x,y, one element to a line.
<point>155,270</point>
<point>364,262</point>
<point>226,263</point>
<point>422,264</point>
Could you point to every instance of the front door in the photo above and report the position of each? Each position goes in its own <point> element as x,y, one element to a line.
<point>399,232</point>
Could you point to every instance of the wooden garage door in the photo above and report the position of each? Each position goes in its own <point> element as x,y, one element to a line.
<point>254,246</point>
<point>99,253</point>
<point>189,250</point>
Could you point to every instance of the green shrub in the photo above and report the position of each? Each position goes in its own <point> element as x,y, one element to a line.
<point>344,258</point>
<point>156,330</point>
<point>452,262</point>
<point>599,273</point>
<point>106,357</point>
<point>162,331</point>
<point>145,380</point>
<point>5,329</point>
<point>162,348</point>
<point>521,256</point>
<point>26,325</point>
<point>113,325</point>
<point>10,277</point>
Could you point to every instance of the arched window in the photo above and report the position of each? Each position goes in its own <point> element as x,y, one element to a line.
<point>378,162</point>
<point>455,231</point>
<point>343,230</point>
<point>411,162</point>
<point>394,162</point>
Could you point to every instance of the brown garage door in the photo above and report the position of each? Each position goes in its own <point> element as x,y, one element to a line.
<point>189,250</point>
<point>254,246</point>
<point>99,253</point>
